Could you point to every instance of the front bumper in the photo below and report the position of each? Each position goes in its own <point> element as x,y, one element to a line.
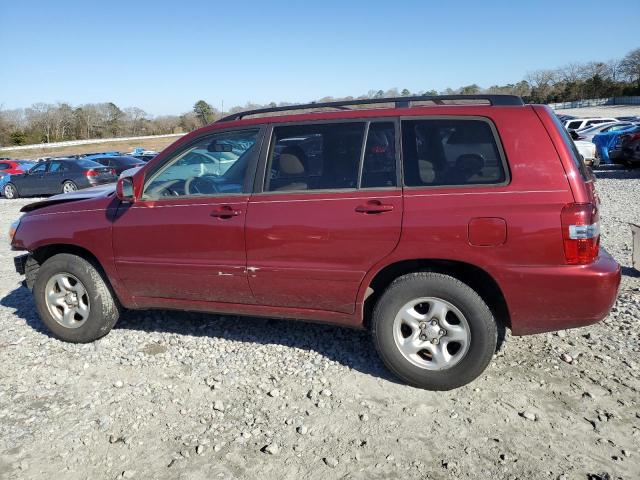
<point>20,263</point>
<point>544,299</point>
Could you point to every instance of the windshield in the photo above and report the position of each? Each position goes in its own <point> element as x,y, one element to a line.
<point>126,161</point>
<point>88,164</point>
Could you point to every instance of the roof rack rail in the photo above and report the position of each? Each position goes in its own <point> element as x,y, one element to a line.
<point>400,102</point>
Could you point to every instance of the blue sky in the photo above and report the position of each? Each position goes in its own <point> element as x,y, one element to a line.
<point>163,56</point>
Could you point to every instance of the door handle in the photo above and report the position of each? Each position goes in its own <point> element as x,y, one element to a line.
<point>374,207</point>
<point>225,212</point>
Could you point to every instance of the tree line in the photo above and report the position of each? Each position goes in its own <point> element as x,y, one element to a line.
<point>46,123</point>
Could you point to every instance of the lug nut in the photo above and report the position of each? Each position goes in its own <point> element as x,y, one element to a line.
<point>442,332</point>
<point>434,323</point>
<point>435,341</point>
<point>423,337</point>
<point>423,326</point>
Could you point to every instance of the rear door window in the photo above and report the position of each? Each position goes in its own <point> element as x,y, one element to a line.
<point>440,152</point>
<point>574,125</point>
<point>314,157</point>
<point>55,167</point>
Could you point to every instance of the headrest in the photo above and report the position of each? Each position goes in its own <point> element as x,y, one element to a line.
<point>291,161</point>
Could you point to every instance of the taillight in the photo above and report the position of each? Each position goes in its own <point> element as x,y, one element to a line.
<point>580,233</point>
<point>91,173</point>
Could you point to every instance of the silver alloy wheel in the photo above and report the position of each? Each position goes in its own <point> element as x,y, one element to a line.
<point>67,300</point>
<point>431,333</point>
<point>69,187</point>
<point>9,191</point>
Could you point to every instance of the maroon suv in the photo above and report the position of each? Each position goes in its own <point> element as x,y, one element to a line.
<point>435,222</point>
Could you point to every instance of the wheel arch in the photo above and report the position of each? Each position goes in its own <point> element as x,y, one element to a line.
<point>477,278</point>
<point>12,184</point>
<point>42,253</point>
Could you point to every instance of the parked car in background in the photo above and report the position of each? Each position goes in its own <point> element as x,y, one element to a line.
<point>9,166</point>
<point>436,227</point>
<point>590,132</point>
<point>588,151</point>
<point>631,147</point>
<point>117,162</point>
<point>579,123</point>
<point>58,175</point>
<point>564,118</point>
<point>142,154</point>
<point>609,145</point>
<point>631,118</point>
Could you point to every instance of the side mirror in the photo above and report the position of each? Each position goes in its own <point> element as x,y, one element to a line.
<point>125,190</point>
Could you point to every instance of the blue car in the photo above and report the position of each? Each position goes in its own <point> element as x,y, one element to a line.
<point>609,145</point>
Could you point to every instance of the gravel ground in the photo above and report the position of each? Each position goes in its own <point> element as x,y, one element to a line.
<point>176,395</point>
<point>601,111</point>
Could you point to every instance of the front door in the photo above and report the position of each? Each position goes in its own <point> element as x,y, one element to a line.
<point>33,182</point>
<point>184,239</point>
<point>328,211</point>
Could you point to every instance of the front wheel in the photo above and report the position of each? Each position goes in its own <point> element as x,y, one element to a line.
<point>433,331</point>
<point>69,186</point>
<point>10,191</point>
<point>73,299</point>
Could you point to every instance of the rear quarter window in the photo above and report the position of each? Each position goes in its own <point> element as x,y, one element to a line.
<point>440,152</point>
<point>575,155</point>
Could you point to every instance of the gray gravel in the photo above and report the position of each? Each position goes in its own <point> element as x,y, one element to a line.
<point>179,395</point>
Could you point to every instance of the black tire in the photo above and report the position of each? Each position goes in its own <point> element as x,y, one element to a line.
<point>70,185</point>
<point>10,191</point>
<point>104,309</point>
<point>482,326</point>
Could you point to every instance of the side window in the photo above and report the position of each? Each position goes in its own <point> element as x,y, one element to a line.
<point>379,166</point>
<point>40,168</point>
<point>4,166</point>
<point>314,157</point>
<point>574,125</point>
<point>54,167</point>
<point>215,165</point>
<point>450,152</point>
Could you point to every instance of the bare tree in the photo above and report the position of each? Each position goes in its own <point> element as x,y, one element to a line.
<point>630,66</point>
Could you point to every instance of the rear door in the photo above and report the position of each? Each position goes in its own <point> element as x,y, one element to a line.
<point>52,180</point>
<point>327,208</point>
<point>185,238</point>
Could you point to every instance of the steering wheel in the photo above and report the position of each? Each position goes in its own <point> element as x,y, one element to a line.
<point>191,186</point>
<point>165,190</point>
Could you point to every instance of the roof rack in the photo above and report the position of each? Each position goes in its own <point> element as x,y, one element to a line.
<point>400,102</point>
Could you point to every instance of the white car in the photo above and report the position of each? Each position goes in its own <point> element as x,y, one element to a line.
<point>588,152</point>
<point>590,132</point>
<point>579,123</point>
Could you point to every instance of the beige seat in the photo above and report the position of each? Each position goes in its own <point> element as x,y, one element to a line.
<point>291,165</point>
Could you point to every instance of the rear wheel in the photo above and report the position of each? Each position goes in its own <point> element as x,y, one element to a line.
<point>434,331</point>
<point>73,299</point>
<point>69,186</point>
<point>10,191</point>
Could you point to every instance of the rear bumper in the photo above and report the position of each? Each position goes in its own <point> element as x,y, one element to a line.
<point>102,181</point>
<point>544,299</point>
